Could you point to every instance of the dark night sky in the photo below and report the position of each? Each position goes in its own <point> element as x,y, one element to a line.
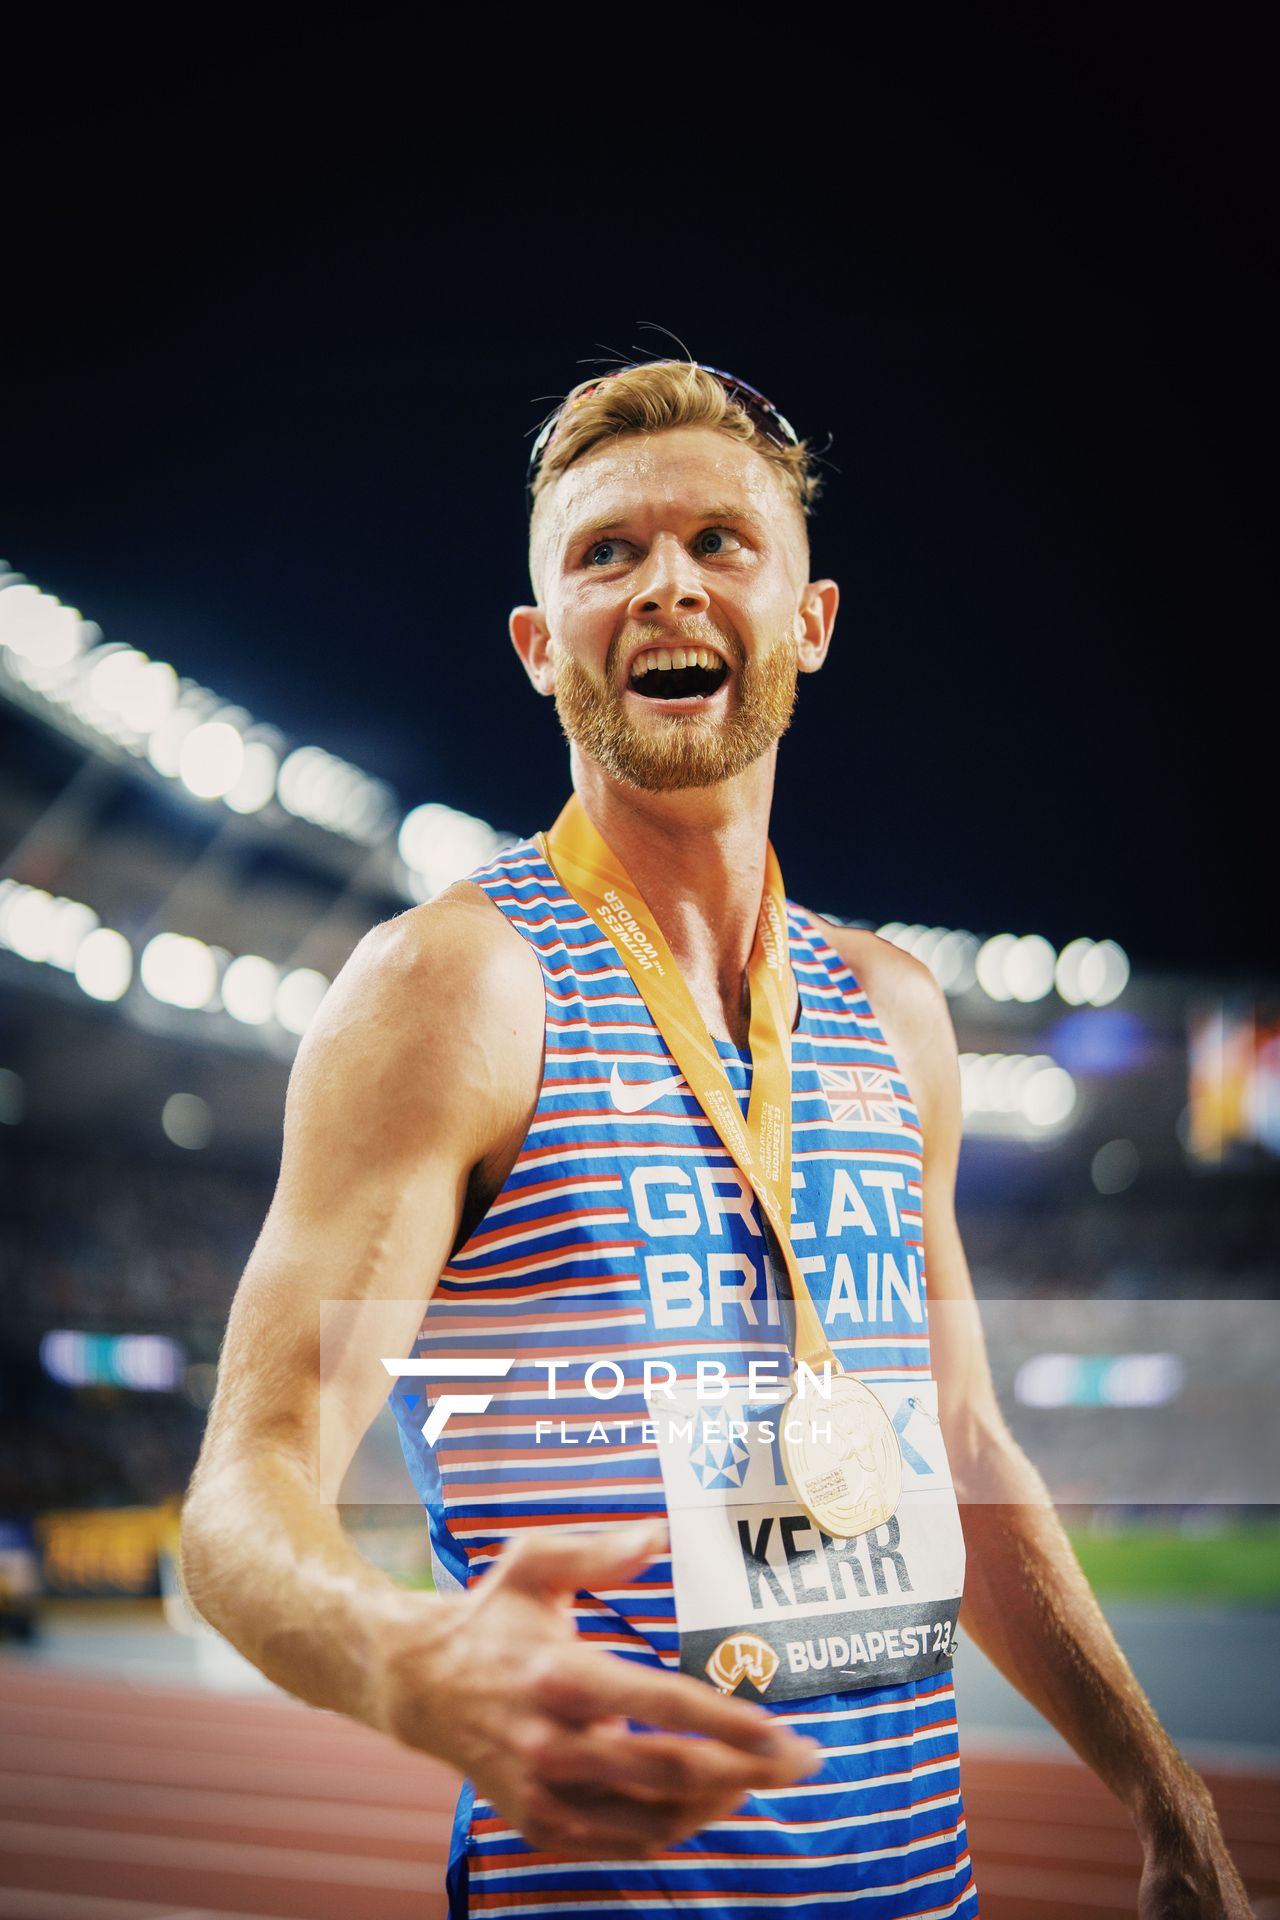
<point>276,333</point>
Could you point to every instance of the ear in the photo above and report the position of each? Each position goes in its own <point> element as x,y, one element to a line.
<point>815,619</point>
<point>532,640</point>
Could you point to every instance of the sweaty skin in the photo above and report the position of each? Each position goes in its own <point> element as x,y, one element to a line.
<point>410,1097</point>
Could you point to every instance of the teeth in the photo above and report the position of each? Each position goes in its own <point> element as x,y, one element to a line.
<point>665,660</point>
<point>670,659</point>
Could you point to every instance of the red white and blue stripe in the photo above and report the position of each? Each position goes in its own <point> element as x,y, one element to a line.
<point>556,1270</point>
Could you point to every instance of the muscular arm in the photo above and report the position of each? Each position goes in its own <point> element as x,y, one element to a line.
<point>412,1075</point>
<point>1027,1603</point>
<point>414,1087</point>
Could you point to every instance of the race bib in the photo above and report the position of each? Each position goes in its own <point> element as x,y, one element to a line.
<point>768,1604</point>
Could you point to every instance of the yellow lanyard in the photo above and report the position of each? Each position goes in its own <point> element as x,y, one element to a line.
<point>591,872</point>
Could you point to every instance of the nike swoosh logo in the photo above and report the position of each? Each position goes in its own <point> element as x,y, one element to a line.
<point>633,1096</point>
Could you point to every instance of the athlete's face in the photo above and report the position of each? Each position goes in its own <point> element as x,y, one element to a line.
<point>675,607</point>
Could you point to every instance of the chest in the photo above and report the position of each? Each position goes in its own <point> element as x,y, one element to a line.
<point>624,1204</point>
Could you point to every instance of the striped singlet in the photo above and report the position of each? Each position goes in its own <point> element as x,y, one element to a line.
<point>562,1268</point>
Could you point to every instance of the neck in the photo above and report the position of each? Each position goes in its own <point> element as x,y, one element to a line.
<point>697,857</point>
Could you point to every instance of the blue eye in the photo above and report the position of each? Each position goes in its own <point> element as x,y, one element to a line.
<point>719,534</point>
<point>605,547</point>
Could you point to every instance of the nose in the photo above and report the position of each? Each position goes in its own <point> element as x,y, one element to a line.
<point>668,581</point>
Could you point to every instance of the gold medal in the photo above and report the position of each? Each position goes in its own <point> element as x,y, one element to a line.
<point>841,1456</point>
<point>846,1468</point>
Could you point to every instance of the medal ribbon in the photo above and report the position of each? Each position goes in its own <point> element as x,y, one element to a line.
<point>591,872</point>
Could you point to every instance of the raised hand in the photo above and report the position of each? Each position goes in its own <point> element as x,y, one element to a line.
<point>497,1682</point>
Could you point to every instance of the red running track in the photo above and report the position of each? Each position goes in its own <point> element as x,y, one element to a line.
<point>149,1803</point>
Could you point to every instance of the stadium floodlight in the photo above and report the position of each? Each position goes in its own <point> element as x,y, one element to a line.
<point>950,953</point>
<point>1028,968</point>
<point>1049,1097</point>
<point>249,988</point>
<point>319,787</point>
<point>1104,973</point>
<point>131,706</point>
<point>990,965</point>
<point>174,968</point>
<point>926,943</point>
<point>298,998</point>
<point>179,970</point>
<point>164,743</point>
<point>211,759</point>
<point>50,930</point>
<point>109,681</point>
<point>134,707</point>
<point>104,964</point>
<point>73,922</point>
<point>1092,972</point>
<point>953,960</point>
<point>1016,1096</point>
<point>29,922</point>
<point>910,937</point>
<point>35,628</point>
<point>1007,966</point>
<point>1067,971</point>
<point>440,845</point>
<point>183,730</point>
<point>993,1073</point>
<point>255,785</point>
<point>150,696</point>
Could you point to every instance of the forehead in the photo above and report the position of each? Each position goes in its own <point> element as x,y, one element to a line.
<point>678,470</point>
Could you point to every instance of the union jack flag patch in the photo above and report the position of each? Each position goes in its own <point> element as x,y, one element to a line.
<point>860,1097</point>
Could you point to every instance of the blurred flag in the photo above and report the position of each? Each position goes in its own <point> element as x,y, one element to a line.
<point>1234,1081</point>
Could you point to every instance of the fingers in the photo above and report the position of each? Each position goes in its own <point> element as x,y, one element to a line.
<point>578,1686</point>
<point>553,1562</point>
<point>661,1767</point>
<point>587,1784</point>
<point>588,1824</point>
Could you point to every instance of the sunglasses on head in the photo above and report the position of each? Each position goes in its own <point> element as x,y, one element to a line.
<point>762,413</point>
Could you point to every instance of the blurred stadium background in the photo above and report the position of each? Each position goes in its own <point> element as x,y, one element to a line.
<point>279,322</point>
<point>181,881</point>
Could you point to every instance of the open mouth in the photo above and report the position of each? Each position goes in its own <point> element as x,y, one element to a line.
<point>680,674</point>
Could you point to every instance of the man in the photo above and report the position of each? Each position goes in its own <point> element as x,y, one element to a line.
<point>527,1129</point>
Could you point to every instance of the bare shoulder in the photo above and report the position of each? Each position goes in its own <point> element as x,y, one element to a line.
<point>460,949</point>
<point>900,987</point>
<point>441,1003</point>
<point>455,957</point>
<point>911,1011</point>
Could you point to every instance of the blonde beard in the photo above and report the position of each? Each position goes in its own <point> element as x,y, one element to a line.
<point>687,750</point>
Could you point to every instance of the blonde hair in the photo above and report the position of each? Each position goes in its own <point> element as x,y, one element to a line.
<point>649,398</point>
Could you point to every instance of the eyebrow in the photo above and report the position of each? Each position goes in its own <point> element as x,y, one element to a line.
<point>722,515</point>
